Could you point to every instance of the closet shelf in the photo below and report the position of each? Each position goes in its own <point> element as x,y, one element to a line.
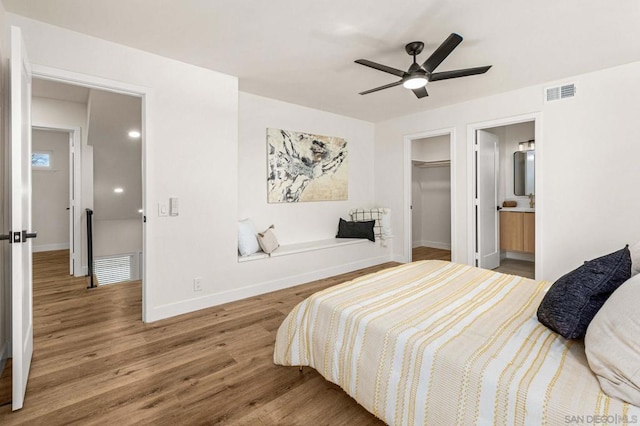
<point>425,164</point>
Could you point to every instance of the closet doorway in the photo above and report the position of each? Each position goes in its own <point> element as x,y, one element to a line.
<point>430,231</point>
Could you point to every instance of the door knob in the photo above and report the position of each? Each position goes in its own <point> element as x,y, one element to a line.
<point>26,235</point>
<point>6,237</point>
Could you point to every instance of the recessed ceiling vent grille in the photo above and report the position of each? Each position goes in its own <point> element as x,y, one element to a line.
<point>560,92</point>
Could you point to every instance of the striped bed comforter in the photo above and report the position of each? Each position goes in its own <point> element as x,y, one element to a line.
<point>440,343</point>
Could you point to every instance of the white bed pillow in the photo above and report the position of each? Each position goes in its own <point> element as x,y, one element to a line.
<point>635,258</point>
<point>247,238</point>
<point>612,344</point>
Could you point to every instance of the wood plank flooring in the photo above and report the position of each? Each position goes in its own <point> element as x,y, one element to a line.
<point>96,363</point>
<point>507,266</point>
<point>430,253</point>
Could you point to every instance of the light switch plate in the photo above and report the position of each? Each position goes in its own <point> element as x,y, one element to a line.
<point>163,209</point>
<point>173,206</point>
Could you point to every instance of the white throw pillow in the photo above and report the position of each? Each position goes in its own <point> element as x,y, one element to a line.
<point>635,258</point>
<point>247,239</point>
<point>382,217</point>
<point>612,344</point>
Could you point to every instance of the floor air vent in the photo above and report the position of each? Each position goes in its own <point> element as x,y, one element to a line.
<point>114,269</point>
<point>560,92</point>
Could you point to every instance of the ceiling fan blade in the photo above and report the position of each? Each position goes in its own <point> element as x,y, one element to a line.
<point>442,52</point>
<point>380,67</point>
<point>421,92</point>
<point>386,86</point>
<point>458,73</point>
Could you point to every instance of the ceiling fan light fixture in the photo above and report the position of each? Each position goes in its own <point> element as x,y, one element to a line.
<point>415,82</point>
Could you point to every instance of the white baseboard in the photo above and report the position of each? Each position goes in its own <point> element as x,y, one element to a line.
<point>209,300</point>
<point>432,244</point>
<point>50,247</point>
<point>83,272</point>
<point>529,257</point>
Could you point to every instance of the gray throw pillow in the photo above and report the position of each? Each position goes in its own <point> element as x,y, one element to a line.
<point>573,300</point>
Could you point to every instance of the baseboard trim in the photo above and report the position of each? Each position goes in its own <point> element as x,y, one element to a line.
<point>210,300</point>
<point>432,244</point>
<point>84,271</point>
<point>51,247</point>
<point>528,257</point>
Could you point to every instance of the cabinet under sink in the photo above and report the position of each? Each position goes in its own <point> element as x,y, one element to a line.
<point>517,231</point>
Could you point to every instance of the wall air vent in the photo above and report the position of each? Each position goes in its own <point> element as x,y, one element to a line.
<point>557,93</point>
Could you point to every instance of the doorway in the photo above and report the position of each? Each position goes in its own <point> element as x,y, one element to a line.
<point>504,209</point>
<point>107,182</point>
<point>56,192</point>
<point>429,190</point>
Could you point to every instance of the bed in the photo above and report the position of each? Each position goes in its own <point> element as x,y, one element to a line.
<point>436,342</point>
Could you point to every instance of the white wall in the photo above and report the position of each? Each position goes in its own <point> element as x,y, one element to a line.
<point>192,153</point>
<point>300,222</point>
<point>587,157</point>
<point>50,192</point>
<point>117,237</point>
<point>433,214</point>
<point>305,221</point>
<point>191,121</point>
<point>433,148</point>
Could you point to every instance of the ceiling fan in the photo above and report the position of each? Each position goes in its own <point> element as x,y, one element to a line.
<point>417,76</point>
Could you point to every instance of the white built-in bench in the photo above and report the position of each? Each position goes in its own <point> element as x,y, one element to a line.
<point>288,249</point>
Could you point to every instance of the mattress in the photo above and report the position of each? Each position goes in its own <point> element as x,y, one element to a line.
<point>440,343</point>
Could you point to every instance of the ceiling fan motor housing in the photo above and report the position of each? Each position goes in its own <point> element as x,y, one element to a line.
<point>414,48</point>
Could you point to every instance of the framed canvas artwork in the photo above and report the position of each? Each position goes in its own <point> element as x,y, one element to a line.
<point>305,167</point>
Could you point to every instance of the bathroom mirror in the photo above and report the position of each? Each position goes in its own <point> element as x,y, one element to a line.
<point>524,172</point>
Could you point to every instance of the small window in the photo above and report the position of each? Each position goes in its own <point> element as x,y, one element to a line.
<point>41,160</point>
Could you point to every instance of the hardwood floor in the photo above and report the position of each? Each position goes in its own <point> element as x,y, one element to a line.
<point>95,362</point>
<point>430,253</point>
<point>517,267</point>
<point>507,266</point>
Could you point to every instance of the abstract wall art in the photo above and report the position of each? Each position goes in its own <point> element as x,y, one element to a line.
<point>305,167</point>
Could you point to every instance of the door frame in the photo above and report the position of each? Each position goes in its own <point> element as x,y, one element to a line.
<point>536,117</point>
<point>408,168</point>
<point>145,94</point>
<point>75,147</point>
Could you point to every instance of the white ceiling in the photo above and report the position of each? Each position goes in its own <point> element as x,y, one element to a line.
<point>303,52</point>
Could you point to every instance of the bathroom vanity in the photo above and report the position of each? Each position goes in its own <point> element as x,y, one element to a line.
<point>518,229</point>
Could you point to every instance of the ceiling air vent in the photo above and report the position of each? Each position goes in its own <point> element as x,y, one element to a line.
<point>560,92</point>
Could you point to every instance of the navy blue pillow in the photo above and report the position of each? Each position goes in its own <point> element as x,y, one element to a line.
<point>356,229</point>
<point>573,300</point>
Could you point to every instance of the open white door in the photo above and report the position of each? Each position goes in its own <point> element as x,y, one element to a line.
<point>488,243</point>
<point>72,205</point>
<point>20,165</point>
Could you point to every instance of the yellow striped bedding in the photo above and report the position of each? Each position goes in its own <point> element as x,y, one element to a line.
<point>440,343</point>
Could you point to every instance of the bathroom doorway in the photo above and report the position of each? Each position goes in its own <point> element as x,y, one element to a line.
<point>504,199</point>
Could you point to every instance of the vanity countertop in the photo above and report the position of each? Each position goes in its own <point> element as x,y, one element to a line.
<point>519,209</point>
